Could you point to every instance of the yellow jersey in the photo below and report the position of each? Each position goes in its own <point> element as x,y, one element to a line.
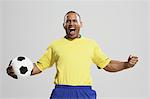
<point>73,59</point>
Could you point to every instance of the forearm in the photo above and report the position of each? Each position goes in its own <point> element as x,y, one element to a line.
<point>35,70</point>
<point>115,66</point>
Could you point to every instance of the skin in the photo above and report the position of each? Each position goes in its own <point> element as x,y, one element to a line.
<point>72,25</point>
<point>115,66</point>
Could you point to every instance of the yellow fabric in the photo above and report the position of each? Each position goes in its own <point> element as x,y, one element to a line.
<point>73,59</point>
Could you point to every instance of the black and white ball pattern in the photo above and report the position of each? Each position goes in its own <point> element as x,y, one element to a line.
<point>22,66</point>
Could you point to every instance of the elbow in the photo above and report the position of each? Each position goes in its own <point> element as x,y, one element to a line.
<point>110,69</point>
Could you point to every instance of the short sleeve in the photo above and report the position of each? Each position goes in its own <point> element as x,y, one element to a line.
<point>47,60</point>
<point>100,58</point>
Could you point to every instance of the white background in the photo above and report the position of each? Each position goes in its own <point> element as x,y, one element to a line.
<point>121,27</point>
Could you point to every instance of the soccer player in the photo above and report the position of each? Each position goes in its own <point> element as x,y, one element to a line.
<point>73,56</point>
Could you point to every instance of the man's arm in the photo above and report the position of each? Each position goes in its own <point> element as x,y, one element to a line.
<point>35,70</point>
<point>10,71</point>
<point>115,66</point>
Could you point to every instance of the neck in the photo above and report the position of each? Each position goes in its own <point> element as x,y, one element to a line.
<point>67,37</point>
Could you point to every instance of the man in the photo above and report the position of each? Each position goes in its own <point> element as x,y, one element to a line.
<point>73,55</point>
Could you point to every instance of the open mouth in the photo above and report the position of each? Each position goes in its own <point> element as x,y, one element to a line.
<point>72,31</point>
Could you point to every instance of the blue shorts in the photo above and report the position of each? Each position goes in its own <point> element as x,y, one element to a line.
<point>73,92</point>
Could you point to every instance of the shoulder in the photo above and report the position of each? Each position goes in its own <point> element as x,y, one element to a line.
<point>56,42</point>
<point>90,41</point>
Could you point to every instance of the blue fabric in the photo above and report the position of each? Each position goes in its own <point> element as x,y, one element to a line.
<point>73,92</point>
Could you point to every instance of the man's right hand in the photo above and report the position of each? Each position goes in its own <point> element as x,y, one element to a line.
<point>10,71</point>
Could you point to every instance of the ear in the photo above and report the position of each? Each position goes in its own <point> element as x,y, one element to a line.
<point>64,25</point>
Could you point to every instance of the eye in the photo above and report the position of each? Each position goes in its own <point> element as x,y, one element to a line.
<point>68,21</point>
<point>75,21</point>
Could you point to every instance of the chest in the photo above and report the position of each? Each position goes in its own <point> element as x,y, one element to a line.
<point>74,50</point>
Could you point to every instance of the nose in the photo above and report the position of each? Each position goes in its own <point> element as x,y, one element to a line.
<point>71,22</point>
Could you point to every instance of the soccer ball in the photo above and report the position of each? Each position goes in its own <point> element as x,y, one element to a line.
<point>22,66</point>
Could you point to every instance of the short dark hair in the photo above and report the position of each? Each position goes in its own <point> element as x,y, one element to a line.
<point>72,12</point>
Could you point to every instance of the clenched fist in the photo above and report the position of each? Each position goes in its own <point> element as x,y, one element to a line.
<point>132,60</point>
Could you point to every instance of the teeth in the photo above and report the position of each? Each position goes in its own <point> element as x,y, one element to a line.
<point>72,29</point>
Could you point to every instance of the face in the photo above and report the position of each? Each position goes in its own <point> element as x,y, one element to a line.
<point>72,25</point>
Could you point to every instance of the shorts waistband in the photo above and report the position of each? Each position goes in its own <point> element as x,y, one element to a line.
<point>71,87</point>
